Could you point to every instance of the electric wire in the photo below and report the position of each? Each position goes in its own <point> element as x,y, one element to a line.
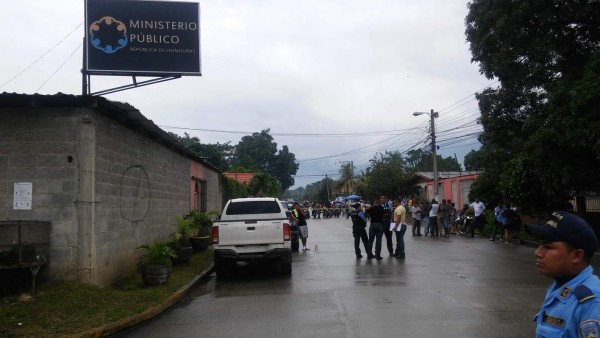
<point>41,57</point>
<point>59,67</point>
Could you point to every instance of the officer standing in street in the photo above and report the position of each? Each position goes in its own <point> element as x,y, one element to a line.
<point>386,221</point>
<point>375,213</point>
<point>359,230</point>
<point>572,304</point>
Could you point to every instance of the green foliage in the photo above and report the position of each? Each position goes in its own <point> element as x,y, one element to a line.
<point>254,153</point>
<point>296,194</point>
<point>184,227</point>
<point>541,139</point>
<point>217,154</point>
<point>421,160</point>
<point>258,152</point>
<point>318,191</point>
<point>283,167</point>
<point>264,185</point>
<point>387,175</point>
<point>233,188</point>
<point>157,253</point>
<point>203,221</point>
<point>474,160</point>
<point>68,309</point>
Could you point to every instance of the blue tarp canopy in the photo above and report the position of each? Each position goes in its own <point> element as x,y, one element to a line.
<point>353,198</point>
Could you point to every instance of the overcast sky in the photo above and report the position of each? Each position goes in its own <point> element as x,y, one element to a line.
<point>349,73</point>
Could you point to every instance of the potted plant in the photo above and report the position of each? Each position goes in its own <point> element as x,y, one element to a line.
<point>156,263</point>
<point>181,240</point>
<point>203,222</point>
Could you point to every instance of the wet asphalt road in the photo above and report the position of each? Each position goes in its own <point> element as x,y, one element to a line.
<point>455,287</point>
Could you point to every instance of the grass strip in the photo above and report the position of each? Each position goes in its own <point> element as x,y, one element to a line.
<point>64,308</point>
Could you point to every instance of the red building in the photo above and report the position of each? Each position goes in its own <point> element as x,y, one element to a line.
<point>452,185</point>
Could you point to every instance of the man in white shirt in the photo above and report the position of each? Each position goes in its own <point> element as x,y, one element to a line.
<point>479,207</point>
<point>416,214</point>
<point>433,219</point>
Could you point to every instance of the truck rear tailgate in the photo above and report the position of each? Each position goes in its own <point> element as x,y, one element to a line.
<point>251,232</point>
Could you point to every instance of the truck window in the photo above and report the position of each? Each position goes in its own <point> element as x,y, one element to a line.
<point>253,208</point>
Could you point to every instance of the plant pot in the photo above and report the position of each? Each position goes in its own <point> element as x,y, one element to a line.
<point>184,253</point>
<point>153,275</point>
<point>199,243</point>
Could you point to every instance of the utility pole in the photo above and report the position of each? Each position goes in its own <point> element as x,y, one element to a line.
<point>351,177</point>
<point>434,151</point>
<point>433,115</point>
<point>327,186</point>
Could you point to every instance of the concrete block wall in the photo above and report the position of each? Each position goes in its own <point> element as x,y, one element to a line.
<point>105,189</point>
<point>140,188</point>
<point>37,145</point>
<point>213,191</point>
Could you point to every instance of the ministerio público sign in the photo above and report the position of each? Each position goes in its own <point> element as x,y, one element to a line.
<point>132,37</point>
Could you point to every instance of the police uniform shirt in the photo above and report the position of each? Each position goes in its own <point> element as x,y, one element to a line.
<point>571,310</point>
<point>358,218</point>
<point>386,218</point>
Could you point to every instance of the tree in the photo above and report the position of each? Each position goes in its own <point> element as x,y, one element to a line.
<point>474,160</point>
<point>264,185</point>
<point>284,167</point>
<point>258,152</point>
<point>217,154</point>
<point>254,153</point>
<point>421,160</point>
<point>317,191</point>
<point>541,139</point>
<point>344,183</point>
<point>387,175</point>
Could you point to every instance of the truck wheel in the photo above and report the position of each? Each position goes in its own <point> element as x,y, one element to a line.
<point>286,268</point>
<point>223,271</point>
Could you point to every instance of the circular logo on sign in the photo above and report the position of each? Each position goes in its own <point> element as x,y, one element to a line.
<point>108,34</point>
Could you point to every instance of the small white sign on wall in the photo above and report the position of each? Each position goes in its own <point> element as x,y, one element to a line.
<point>22,196</point>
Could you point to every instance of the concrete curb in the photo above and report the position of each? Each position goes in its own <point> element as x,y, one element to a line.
<point>152,312</point>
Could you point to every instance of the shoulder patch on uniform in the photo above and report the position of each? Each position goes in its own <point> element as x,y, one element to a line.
<point>583,293</point>
<point>565,292</point>
<point>589,328</point>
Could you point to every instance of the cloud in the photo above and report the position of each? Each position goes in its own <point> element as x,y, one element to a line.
<point>323,67</point>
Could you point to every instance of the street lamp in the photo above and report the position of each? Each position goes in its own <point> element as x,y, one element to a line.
<point>351,174</point>
<point>432,116</point>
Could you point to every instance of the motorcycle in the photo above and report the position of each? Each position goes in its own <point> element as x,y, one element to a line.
<point>465,224</point>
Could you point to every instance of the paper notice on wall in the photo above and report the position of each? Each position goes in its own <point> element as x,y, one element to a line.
<point>22,196</point>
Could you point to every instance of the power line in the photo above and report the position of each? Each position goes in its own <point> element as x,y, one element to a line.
<point>59,67</point>
<point>367,133</point>
<point>41,57</point>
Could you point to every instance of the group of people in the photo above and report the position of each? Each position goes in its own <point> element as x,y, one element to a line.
<point>440,219</point>
<point>567,245</point>
<point>506,220</point>
<point>386,218</point>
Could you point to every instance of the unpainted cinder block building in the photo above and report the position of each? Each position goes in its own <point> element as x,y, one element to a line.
<point>86,181</point>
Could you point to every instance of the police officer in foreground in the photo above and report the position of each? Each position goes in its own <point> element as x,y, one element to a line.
<point>572,304</point>
<point>359,230</point>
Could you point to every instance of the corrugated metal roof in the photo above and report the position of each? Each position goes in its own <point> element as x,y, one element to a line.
<point>121,112</point>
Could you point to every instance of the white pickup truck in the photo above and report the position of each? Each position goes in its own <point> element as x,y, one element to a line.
<point>251,230</point>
